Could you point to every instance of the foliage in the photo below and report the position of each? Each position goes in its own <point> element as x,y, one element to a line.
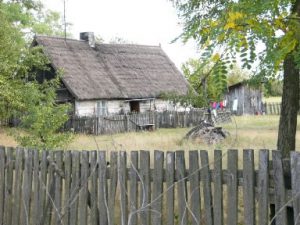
<point>190,99</point>
<point>236,75</point>
<point>42,118</point>
<point>232,29</point>
<point>119,40</point>
<point>18,60</point>
<point>49,23</point>
<point>273,87</point>
<point>206,79</point>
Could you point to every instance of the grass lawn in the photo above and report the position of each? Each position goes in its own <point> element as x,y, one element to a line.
<point>272,99</point>
<point>256,132</point>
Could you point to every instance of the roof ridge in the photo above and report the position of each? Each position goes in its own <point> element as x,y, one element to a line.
<point>57,37</point>
<point>111,44</point>
<point>140,45</point>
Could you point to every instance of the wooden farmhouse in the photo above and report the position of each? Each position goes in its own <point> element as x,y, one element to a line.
<point>102,79</point>
<point>244,100</point>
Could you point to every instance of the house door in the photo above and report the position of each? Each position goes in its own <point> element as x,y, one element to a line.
<point>134,106</point>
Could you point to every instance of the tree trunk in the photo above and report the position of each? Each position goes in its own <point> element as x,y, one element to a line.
<point>290,100</point>
<point>289,107</point>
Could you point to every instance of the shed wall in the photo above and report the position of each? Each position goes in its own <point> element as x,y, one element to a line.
<point>249,100</point>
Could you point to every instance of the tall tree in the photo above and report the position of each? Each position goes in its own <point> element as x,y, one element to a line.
<point>35,103</point>
<point>236,28</point>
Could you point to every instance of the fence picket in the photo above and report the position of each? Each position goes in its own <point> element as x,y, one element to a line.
<point>170,176</point>
<point>206,181</point>
<point>280,209</point>
<point>194,187</point>
<point>102,189</point>
<point>93,193</point>
<point>218,188</point>
<point>58,188</point>
<point>232,188</point>
<point>263,187</point>
<point>132,218</point>
<point>74,187</point>
<point>145,187</point>
<point>43,187</point>
<point>26,188</point>
<point>8,187</point>
<point>67,186</point>
<point>2,182</point>
<point>48,216</point>
<point>35,209</point>
<point>181,187</point>
<point>123,187</point>
<point>113,186</point>
<point>83,192</point>
<point>248,187</point>
<point>17,186</point>
<point>157,188</point>
<point>295,168</point>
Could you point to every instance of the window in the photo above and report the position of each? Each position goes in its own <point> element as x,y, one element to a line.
<point>102,108</point>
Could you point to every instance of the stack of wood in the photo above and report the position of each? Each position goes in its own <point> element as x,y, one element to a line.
<point>207,133</point>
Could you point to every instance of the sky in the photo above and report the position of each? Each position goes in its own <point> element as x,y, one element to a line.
<point>146,22</point>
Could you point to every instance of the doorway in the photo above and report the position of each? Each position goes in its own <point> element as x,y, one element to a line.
<point>134,106</point>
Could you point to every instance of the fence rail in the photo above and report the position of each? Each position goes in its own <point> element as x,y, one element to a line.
<point>133,122</point>
<point>92,188</point>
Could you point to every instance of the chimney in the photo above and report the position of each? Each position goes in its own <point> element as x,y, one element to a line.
<point>88,36</point>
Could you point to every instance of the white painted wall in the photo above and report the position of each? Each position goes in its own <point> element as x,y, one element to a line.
<point>89,108</point>
<point>85,108</point>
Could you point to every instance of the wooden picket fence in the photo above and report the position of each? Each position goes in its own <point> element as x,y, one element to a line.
<point>272,108</point>
<point>140,121</point>
<point>138,187</point>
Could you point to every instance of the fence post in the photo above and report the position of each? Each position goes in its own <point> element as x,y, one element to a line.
<point>126,122</point>
<point>2,182</point>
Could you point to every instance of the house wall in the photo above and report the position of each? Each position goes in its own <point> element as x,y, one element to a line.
<point>89,108</point>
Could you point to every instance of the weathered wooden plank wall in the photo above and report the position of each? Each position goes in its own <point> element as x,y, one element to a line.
<point>89,188</point>
<point>135,122</point>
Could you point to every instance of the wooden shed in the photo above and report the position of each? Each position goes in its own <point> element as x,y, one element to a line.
<point>242,99</point>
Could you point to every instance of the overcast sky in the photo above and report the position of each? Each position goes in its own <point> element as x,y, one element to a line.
<point>148,22</point>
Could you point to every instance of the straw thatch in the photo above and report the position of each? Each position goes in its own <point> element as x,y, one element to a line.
<point>113,71</point>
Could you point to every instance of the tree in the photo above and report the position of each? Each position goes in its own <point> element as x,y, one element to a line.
<point>273,87</point>
<point>33,102</point>
<point>42,119</point>
<point>236,75</point>
<point>235,28</point>
<point>205,80</point>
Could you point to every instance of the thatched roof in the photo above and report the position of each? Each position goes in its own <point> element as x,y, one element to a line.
<point>113,71</point>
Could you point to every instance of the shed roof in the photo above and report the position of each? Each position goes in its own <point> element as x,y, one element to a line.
<point>112,71</point>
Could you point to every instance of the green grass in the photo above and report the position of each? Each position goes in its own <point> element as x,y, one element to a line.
<point>246,132</point>
<point>255,132</point>
<point>272,99</point>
